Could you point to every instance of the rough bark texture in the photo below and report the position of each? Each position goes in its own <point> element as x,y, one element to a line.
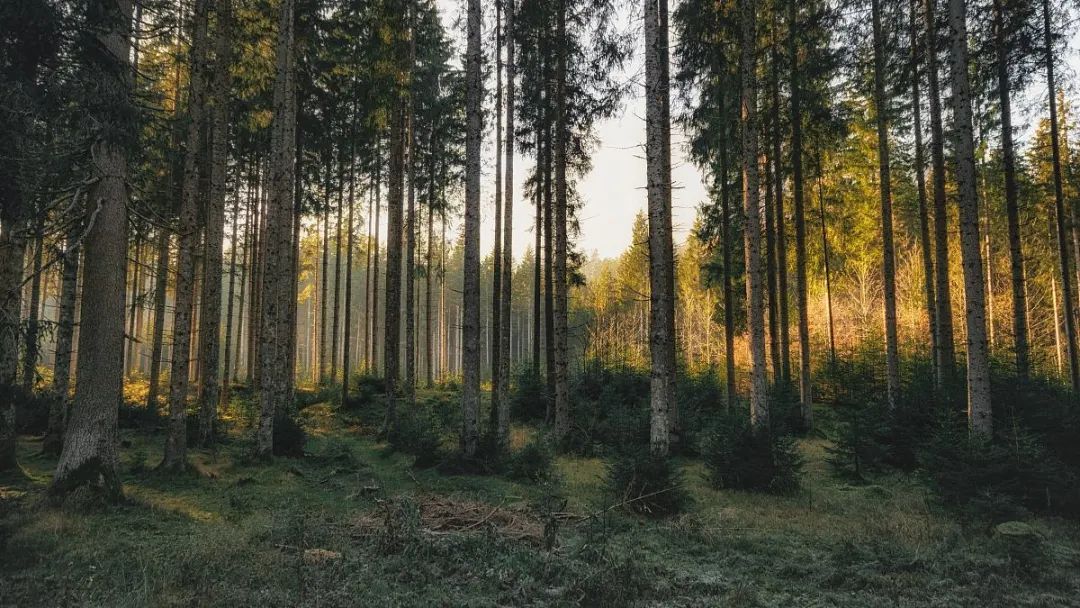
<point>210,314</point>
<point>755,279</point>
<point>275,326</point>
<point>346,356</point>
<point>781,291</point>
<point>394,211</point>
<point>89,458</point>
<point>470,393</point>
<point>562,286</point>
<point>410,239</point>
<point>661,251</point>
<point>161,282</point>
<point>175,457</point>
<point>496,274</point>
<point>978,357</point>
<point>12,252</point>
<point>888,266</point>
<point>30,352</point>
<point>729,294</point>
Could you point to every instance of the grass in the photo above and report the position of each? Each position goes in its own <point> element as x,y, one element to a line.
<point>288,533</point>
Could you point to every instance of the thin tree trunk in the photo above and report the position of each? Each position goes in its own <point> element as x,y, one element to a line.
<point>175,457</point>
<point>1059,207</point>
<point>729,294</point>
<point>825,258</point>
<point>494,343</point>
<point>394,212</point>
<point>778,190</point>
<point>920,184</point>
<point>346,363</point>
<point>806,400</point>
<point>226,381</point>
<point>161,282</point>
<point>410,237</point>
<point>90,458</point>
<point>65,332</point>
<point>888,268</point>
<point>942,293</point>
<point>335,327</point>
<point>30,353</point>
<point>503,387</point>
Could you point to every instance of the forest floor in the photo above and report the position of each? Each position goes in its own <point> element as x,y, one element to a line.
<point>352,524</point>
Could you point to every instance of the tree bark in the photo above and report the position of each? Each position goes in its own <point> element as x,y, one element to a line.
<point>562,285</point>
<point>888,267</point>
<point>470,394</point>
<point>507,235</point>
<point>806,399</point>
<point>65,333</point>
<point>89,458</point>
<point>980,420</point>
<point>275,326</point>
<point>496,274</point>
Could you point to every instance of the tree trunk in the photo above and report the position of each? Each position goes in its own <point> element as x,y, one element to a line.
<point>661,249</point>
<point>30,353</point>
<point>175,457</point>
<point>394,211</point>
<point>978,360</point>
<point>410,235</point>
<point>562,284</point>
<point>888,267</point>
<point>161,285</point>
<point>503,390</point>
<point>210,315</point>
<point>806,399</point>
<point>778,178</point>
<point>346,357</point>
<point>335,327</point>
<point>275,326</point>
<point>755,288</point>
<point>65,332</point>
<point>920,184</point>
<point>496,274</point>
<point>946,355</point>
<point>89,458</point>
<point>1059,207</point>
<point>470,393</point>
<point>12,252</point>
<point>729,294</point>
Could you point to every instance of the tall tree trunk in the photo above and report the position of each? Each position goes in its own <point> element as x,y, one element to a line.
<point>920,184</point>
<point>562,284</point>
<point>65,332</point>
<point>375,272</point>
<point>888,266</point>
<point>325,283</point>
<point>771,295</point>
<point>496,261</point>
<point>175,457</point>
<point>335,327</point>
<point>729,294</point>
<point>507,237</point>
<point>394,212</point>
<point>825,259</point>
<point>346,357</point>
<point>230,343</point>
<point>806,399</point>
<point>946,355</point>
<point>30,353</point>
<point>12,253</point>
<point>661,249</point>
<point>755,288</point>
<point>1059,206</point>
<point>161,285</point>
<point>429,350</point>
<point>275,327</point>
<point>89,458</point>
<point>135,264</point>
<point>470,393</point>
<point>778,190</point>
<point>978,359</point>
<point>210,315</point>
<point>410,235</point>
<point>538,235</point>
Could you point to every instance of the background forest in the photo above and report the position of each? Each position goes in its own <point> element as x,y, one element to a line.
<point>253,351</point>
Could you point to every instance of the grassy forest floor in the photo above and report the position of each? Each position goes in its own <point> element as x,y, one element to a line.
<point>353,524</point>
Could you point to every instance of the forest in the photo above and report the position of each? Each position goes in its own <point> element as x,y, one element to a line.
<point>312,303</point>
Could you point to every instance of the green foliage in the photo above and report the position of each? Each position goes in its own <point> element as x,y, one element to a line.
<point>528,397</point>
<point>859,444</point>
<point>646,484</point>
<point>534,463</point>
<point>739,458</point>
<point>366,389</point>
<point>289,437</point>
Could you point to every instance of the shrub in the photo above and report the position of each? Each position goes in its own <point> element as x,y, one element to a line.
<point>739,458</point>
<point>529,398</point>
<point>417,433</point>
<point>646,484</point>
<point>535,462</point>
<point>289,437</point>
<point>31,410</point>
<point>860,440</point>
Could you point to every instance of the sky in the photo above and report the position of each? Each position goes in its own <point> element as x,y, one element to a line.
<point>612,193</point>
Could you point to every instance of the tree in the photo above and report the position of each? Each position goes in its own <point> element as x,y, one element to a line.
<point>275,323</point>
<point>89,458</point>
<point>801,300</point>
<point>759,404</point>
<point>470,393</point>
<point>978,361</point>
<point>661,250</point>
<point>503,431</point>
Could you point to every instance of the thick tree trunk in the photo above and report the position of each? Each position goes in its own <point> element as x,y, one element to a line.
<point>980,420</point>
<point>888,267</point>
<point>470,348</point>
<point>946,355</point>
<point>276,379</point>
<point>661,249</point>
<point>806,398</point>
<point>89,458</point>
<point>755,288</point>
<point>175,457</point>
